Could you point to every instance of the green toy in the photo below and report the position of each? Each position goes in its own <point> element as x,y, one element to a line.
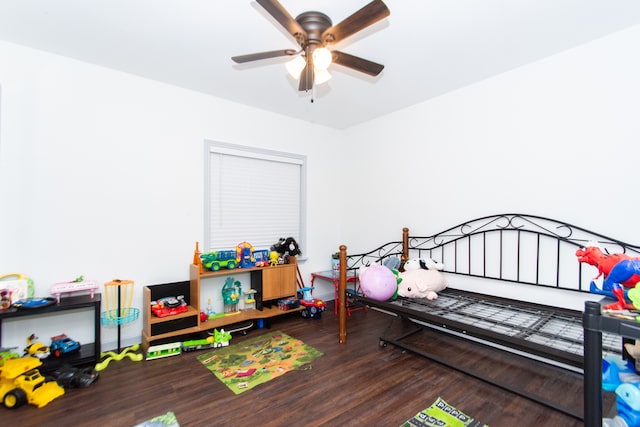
<point>111,355</point>
<point>231,292</point>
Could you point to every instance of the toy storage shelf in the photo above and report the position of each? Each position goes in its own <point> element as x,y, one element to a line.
<point>89,352</point>
<point>595,323</point>
<point>270,283</point>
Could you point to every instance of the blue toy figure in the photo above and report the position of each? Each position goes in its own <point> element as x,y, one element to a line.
<point>616,371</point>
<point>621,272</point>
<point>306,293</point>
<point>244,255</point>
<point>628,403</point>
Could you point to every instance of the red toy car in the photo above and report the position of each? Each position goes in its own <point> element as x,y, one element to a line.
<point>168,306</point>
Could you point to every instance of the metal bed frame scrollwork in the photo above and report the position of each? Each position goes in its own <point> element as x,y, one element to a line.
<point>514,254</point>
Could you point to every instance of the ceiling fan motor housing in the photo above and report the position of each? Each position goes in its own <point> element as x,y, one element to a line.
<point>314,24</point>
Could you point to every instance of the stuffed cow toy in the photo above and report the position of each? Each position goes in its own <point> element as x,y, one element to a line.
<point>418,282</point>
<point>423,263</point>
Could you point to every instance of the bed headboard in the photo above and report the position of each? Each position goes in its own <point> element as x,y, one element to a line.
<point>518,248</point>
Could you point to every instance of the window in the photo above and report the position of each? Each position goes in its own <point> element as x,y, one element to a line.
<point>252,195</point>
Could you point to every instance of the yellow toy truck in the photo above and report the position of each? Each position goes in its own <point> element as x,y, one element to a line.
<point>21,382</point>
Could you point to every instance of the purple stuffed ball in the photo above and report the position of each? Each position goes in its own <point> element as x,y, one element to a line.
<point>378,282</point>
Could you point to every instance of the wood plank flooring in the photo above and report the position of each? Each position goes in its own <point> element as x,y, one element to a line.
<point>355,384</point>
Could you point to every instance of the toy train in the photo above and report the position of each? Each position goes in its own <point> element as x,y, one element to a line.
<point>217,340</point>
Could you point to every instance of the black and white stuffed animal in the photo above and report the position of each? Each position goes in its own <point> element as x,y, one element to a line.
<point>287,246</point>
<point>423,263</point>
<point>278,246</point>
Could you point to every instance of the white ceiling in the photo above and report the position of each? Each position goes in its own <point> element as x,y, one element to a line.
<point>428,47</point>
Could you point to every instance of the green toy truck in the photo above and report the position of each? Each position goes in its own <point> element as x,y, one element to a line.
<point>21,382</point>
<point>219,259</point>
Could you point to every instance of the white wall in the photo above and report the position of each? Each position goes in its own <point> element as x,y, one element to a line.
<point>557,138</point>
<point>101,174</point>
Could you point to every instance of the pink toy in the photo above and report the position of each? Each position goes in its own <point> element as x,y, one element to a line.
<point>74,286</point>
<point>378,282</point>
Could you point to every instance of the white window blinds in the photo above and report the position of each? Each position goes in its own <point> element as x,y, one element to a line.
<point>253,195</point>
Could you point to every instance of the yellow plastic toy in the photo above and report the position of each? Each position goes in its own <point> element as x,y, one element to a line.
<point>21,382</point>
<point>36,349</point>
<point>112,355</point>
<point>273,258</point>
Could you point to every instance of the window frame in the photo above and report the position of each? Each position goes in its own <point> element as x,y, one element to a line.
<point>223,148</point>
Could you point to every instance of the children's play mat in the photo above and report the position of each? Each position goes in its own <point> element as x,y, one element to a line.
<point>257,360</point>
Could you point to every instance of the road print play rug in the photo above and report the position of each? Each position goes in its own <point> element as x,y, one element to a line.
<point>257,360</point>
<point>441,414</point>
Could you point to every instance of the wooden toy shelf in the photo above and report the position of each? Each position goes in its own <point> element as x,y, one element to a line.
<point>270,284</point>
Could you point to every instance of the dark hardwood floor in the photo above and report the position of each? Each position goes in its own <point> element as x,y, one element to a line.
<point>357,383</point>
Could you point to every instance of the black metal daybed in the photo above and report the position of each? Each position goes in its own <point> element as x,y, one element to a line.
<point>504,273</point>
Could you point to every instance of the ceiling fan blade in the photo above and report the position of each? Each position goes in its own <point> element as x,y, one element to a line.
<point>285,19</point>
<point>240,59</point>
<point>368,15</point>
<point>359,64</point>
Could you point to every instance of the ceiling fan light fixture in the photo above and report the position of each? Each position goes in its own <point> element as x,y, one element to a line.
<point>321,76</point>
<point>295,66</point>
<point>322,58</point>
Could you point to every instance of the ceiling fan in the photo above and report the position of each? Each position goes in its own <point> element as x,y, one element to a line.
<point>314,32</point>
